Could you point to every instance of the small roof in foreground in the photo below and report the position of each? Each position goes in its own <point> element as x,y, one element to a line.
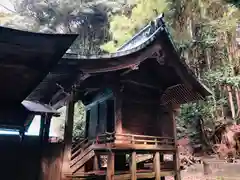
<point>25,59</point>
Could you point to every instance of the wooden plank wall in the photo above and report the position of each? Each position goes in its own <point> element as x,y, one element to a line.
<point>144,118</point>
<point>52,162</point>
<point>22,162</point>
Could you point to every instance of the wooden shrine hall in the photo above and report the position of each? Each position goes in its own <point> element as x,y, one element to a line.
<point>131,99</point>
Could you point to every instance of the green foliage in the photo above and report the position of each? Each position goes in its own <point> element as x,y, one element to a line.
<point>88,18</point>
<point>123,27</point>
<point>234,2</point>
<point>79,120</point>
<point>78,124</point>
<point>222,75</point>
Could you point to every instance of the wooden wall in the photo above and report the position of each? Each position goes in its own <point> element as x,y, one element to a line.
<point>99,118</point>
<point>21,162</point>
<point>145,117</point>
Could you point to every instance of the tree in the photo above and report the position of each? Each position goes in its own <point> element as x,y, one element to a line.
<point>124,26</point>
<point>87,18</point>
<point>204,32</point>
<point>78,123</point>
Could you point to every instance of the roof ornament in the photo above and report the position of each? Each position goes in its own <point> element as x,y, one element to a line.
<point>134,67</point>
<point>159,56</point>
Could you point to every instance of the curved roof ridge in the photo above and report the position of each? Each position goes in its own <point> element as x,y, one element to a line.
<point>123,51</point>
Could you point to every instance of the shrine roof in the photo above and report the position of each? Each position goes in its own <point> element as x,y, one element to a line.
<point>152,42</point>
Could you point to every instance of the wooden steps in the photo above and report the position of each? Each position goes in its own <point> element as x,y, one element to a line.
<point>80,160</point>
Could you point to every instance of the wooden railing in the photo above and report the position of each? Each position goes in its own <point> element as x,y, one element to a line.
<point>83,151</point>
<point>134,139</point>
<point>76,149</point>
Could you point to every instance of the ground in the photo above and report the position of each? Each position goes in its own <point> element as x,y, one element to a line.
<point>220,171</point>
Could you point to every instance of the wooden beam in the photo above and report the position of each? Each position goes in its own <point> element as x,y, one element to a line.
<point>68,136</point>
<point>133,166</point>
<point>110,166</point>
<point>156,165</point>
<point>176,154</point>
<point>141,84</point>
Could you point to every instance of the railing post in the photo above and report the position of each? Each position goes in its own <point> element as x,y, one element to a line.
<point>96,163</point>
<point>110,166</point>
<point>156,165</point>
<point>133,166</point>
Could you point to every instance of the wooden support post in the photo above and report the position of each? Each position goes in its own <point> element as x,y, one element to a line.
<point>110,166</point>
<point>118,113</point>
<point>22,134</point>
<point>40,174</point>
<point>176,154</point>
<point>156,165</point>
<point>41,130</point>
<point>96,162</point>
<point>68,136</point>
<point>47,123</point>
<point>161,160</point>
<point>133,166</point>
<point>44,137</point>
<point>20,151</point>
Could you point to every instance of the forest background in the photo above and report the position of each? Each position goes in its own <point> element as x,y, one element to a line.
<point>206,32</point>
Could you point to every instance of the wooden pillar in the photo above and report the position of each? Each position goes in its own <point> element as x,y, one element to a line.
<point>156,165</point>
<point>96,162</point>
<point>118,113</point>
<point>20,161</point>
<point>46,132</point>
<point>43,141</point>
<point>68,136</point>
<point>41,130</point>
<point>40,174</point>
<point>110,166</point>
<point>161,160</point>
<point>22,134</point>
<point>133,166</point>
<point>176,154</point>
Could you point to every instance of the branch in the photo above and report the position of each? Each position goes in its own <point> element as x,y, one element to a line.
<point>8,9</point>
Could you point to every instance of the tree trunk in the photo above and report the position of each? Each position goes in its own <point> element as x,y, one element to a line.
<point>238,100</point>
<point>230,98</point>
<point>208,57</point>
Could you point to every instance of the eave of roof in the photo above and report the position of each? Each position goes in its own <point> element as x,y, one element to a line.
<point>120,59</point>
<point>26,58</point>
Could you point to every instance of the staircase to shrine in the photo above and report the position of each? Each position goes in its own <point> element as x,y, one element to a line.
<point>124,156</point>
